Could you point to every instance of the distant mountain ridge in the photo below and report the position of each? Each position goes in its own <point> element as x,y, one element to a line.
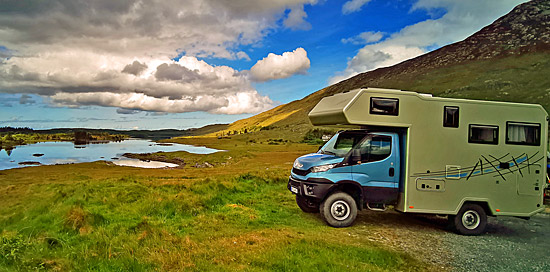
<point>145,134</point>
<point>508,60</point>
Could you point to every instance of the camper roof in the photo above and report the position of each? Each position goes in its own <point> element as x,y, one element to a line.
<point>396,108</point>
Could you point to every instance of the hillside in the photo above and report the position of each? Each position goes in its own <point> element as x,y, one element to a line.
<point>507,60</point>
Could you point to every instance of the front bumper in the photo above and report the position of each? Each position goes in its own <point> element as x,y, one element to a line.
<point>316,189</point>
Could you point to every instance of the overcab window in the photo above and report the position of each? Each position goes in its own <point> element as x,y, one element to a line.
<point>384,106</point>
<point>483,134</point>
<point>522,133</point>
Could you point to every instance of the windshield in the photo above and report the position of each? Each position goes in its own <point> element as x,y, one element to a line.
<point>341,143</point>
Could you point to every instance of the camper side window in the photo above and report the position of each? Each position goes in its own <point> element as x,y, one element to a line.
<point>450,116</point>
<point>384,106</point>
<point>522,133</point>
<point>482,134</point>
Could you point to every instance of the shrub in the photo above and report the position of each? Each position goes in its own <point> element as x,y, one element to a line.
<point>313,136</point>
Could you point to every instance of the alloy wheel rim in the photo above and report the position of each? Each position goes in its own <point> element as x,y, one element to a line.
<point>470,220</point>
<point>340,210</point>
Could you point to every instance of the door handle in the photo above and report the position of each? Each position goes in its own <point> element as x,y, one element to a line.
<point>392,172</point>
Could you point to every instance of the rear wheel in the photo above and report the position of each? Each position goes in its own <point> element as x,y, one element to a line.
<point>339,210</point>
<point>306,205</point>
<point>470,220</point>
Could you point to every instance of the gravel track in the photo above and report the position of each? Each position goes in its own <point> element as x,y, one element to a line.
<point>509,244</point>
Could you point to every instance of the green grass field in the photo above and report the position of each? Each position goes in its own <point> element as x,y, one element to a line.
<point>235,216</point>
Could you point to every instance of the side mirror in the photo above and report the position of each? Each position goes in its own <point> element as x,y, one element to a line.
<point>321,146</point>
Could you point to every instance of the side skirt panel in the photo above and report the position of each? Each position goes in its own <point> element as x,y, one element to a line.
<point>382,195</point>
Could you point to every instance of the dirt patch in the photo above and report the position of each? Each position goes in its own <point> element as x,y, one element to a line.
<point>419,236</point>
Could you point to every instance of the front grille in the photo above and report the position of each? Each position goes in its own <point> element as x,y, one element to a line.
<point>300,172</point>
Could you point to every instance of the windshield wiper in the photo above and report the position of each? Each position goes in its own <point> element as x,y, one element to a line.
<point>328,152</point>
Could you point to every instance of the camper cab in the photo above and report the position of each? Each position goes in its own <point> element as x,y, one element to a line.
<point>466,159</point>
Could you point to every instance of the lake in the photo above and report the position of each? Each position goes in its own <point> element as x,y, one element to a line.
<point>67,152</point>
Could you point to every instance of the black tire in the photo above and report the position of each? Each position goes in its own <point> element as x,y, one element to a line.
<point>470,220</point>
<point>307,205</point>
<point>339,210</point>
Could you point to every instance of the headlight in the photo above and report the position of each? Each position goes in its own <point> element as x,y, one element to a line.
<point>322,168</point>
<point>298,165</point>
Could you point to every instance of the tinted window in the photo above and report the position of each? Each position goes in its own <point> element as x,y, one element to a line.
<point>482,134</point>
<point>450,116</point>
<point>384,106</point>
<point>522,133</point>
<point>375,148</point>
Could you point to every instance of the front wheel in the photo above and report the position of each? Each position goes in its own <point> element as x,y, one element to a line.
<point>339,210</point>
<point>470,220</point>
<point>307,205</point>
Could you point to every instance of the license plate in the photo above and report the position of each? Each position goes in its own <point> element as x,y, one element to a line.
<point>294,189</point>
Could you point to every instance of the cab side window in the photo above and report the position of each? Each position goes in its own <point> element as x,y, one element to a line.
<point>375,148</point>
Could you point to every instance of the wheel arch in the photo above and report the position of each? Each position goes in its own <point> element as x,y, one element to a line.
<point>483,203</point>
<point>349,187</point>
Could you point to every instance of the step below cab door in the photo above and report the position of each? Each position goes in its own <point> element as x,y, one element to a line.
<point>375,165</point>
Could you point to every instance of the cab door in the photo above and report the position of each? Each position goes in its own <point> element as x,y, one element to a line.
<point>375,161</point>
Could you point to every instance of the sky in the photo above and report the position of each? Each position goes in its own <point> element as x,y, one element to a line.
<point>137,64</point>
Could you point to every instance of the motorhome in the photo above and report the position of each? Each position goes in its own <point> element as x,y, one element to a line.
<point>467,159</point>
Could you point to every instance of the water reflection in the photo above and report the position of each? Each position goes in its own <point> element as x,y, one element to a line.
<point>9,150</point>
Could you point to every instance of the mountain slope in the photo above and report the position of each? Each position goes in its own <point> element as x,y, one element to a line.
<point>508,60</point>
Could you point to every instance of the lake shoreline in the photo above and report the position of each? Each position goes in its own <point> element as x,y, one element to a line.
<point>65,152</point>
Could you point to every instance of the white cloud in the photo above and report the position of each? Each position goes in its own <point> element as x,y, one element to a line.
<point>281,66</point>
<point>296,19</point>
<point>133,27</point>
<point>375,56</point>
<point>75,78</point>
<point>228,104</point>
<point>243,55</point>
<point>365,38</point>
<point>103,52</point>
<point>460,21</point>
<point>353,6</point>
